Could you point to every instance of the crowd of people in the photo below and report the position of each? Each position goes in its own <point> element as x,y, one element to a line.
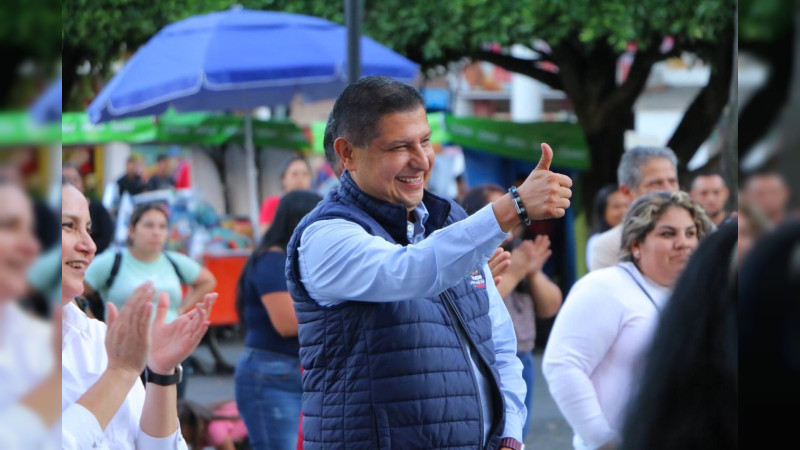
<point>384,316</point>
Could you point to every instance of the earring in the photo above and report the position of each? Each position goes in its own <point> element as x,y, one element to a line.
<point>636,254</point>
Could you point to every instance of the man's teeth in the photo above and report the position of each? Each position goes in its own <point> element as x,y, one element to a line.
<point>77,265</point>
<point>409,179</point>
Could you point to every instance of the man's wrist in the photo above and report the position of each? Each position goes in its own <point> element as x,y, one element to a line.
<point>505,213</point>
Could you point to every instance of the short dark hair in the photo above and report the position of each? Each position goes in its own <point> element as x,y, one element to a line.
<point>327,143</point>
<point>362,104</point>
<point>705,173</point>
<point>140,210</point>
<point>161,157</point>
<point>763,173</point>
<point>291,161</point>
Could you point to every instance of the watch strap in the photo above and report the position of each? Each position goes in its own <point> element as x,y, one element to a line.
<point>511,443</point>
<point>164,380</point>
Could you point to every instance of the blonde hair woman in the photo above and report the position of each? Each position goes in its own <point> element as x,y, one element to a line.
<point>610,314</point>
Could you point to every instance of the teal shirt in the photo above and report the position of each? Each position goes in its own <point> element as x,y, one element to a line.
<point>133,273</point>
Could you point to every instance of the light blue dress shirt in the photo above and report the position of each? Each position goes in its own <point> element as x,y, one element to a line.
<point>339,261</point>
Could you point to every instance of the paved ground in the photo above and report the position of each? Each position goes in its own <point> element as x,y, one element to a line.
<point>548,430</point>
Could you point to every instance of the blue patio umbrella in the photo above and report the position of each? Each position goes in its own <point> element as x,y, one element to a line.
<point>47,108</point>
<point>237,60</point>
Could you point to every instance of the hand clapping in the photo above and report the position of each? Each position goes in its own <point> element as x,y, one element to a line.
<point>175,341</point>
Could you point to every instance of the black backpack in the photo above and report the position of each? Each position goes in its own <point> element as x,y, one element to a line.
<point>95,302</point>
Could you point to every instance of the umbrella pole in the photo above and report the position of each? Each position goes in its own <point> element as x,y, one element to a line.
<point>252,173</point>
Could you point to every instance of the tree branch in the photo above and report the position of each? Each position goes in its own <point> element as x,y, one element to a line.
<point>626,94</point>
<point>521,66</point>
<point>704,112</point>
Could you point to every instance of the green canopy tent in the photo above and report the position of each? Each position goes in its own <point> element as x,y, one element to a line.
<point>206,129</point>
<point>513,140</point>
<point>17,128</point>
<point>187,128</point>
<point>494,146</point>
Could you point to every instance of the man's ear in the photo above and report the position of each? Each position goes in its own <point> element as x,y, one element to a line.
<point>626,191</point>
<point>344,149</point>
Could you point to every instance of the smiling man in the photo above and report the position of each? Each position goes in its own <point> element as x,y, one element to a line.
<point>405,341</point>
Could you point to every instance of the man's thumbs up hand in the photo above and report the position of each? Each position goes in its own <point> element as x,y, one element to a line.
<point>545,194</point>
<point>546,159</point>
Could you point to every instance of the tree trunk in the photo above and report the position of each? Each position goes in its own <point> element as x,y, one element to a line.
<point>606,145</point>
<point>729,154</point>
<point>70,60</point>
<point>12,58</point>
<point>789,140</point>
<point>765,105</point>
<point>604,109</point>
<point>705,111</point>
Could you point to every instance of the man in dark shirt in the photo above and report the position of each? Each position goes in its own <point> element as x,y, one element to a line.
<point>162,178</point>
<point>131,182</point>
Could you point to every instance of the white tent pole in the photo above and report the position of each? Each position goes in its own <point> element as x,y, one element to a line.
<point>252,173</point>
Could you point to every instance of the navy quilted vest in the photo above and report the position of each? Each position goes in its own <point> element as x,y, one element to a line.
<point>393,375</point>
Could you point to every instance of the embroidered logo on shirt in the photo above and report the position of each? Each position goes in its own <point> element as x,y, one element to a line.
<point>476,279</point>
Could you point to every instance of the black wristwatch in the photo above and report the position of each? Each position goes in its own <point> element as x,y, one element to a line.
<point>164,380</point>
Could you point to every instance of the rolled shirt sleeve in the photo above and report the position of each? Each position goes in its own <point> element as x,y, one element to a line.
<point>80,429</point>
<point>173,442</point>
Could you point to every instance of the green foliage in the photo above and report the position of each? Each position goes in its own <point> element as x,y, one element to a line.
<point>98,30</point>
<point>765,20</point>
<point>429,32</point>
<point>433,33</point>
<point>32,26</point>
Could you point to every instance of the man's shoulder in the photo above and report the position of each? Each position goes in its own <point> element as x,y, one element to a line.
<point>609,237</point>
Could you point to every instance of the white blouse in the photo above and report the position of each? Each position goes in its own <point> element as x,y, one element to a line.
<point>25,360</point>
<point>594,351</point>
<point>84,359</point>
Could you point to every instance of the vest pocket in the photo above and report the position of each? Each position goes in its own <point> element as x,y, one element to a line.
<point>382,427</point>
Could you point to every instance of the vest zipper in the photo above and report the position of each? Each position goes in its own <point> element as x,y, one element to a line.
<point>459,322</point>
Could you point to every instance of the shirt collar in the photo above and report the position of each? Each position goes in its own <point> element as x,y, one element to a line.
<point>416,230</point>
<point>73,317</point>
